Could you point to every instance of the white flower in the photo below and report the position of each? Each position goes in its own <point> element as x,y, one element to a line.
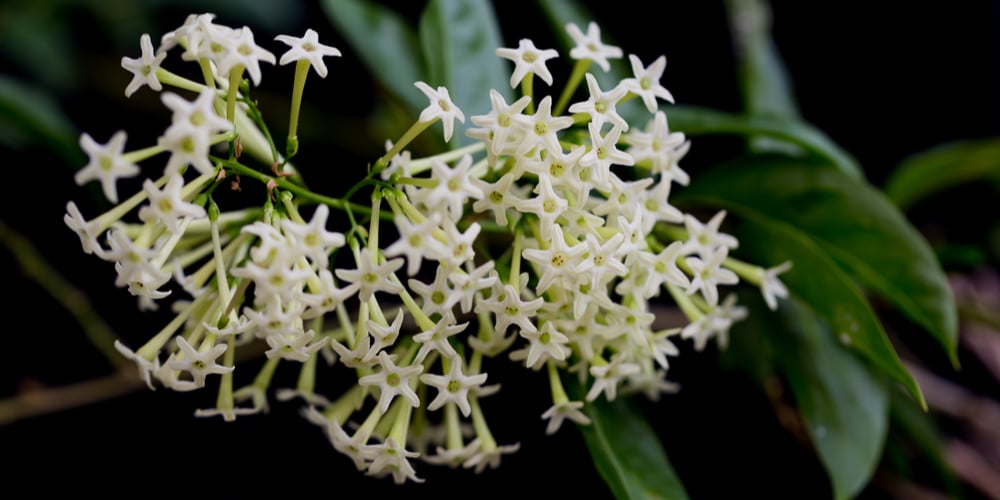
<point>454,387</point>
<point>384,335</point>
<point>294,346</point>
<point>591,47</point>
<point>416,241</point>
<point>601,106</point>
<point>393,381</point>
<point>327,297</point>
<point>489,457</point>
<point>497,196</point>
<point>528,59</point>
<point>715,323</point>
<point>601,263</point>
<point>199,114</point>
<point>453,187</point>
<point>544,344</point>
<point>660,148</point>
<point>541,128</point>
<point>771,287</point>
<point>105,164</point>
<point>391,458</point>
<point>547,205</point>
<point>312,238</point>
<point>308,48</point>
<point>646,83</point>
<point>604,153</point>
<point>438,297</point>
<point>437,338</point>
<point>608,376</point>
<point>704,238</point>
<point>245,52</point>
<point>167,206</point>
<point>559,412</point>
<point>441,107</point>
<point>467,284</point>
<point>199,364</point>
<point>144,68</point>
<point>510,309</point>
<point>557,262</point>
<point>709,273</point>
<point>88,231</point>
<point>146,366</point>
<point>372,277</point>
<point>662,268</point>
<point>501,120</point>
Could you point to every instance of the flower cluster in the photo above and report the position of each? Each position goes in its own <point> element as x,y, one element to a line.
<point>581,240</point>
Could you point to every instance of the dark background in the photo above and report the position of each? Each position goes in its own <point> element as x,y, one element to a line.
<point>884,82</point>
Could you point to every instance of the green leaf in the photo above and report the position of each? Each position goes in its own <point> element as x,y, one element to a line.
<point>763,78</point>
<point>764,82</point>
<point>693,120</point>
<point>819,283</point>
<point>627,452</point>
<point>943,167</point>
<point>844,403</point>
<point>460,38</point>
<point>30,116</point>
<point>386,44</point>
<point>852,221</point>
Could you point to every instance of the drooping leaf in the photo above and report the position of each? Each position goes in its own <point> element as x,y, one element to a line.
<point>844,403</point>
<point>625,449</point>
<point>943,167</point>
<point>386,44</point>
<point>627,452</point>
<point>30,116</point>
<point>460,38</point>
<point>693,120</point>
<point>820,284</point>
<point>851,221</point>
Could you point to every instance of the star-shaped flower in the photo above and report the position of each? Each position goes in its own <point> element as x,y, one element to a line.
<point>393,381</point>
<point>167,206</point>
<point>441,107</point>
<point>591,47</point>
<point>144,68</point>
<point>528,59</point>
<point>559,412</point>
<point>646,83</point>
<point>454,387</point>
<point>307,48</point>
<point>106,163</point>
<point>199,364</point>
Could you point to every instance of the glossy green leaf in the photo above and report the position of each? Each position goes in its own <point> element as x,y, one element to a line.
<point>852,221</point>
<point>30,116</point>
<point>819,283</point>
<point>627,452</point>
<point>386,44</point>
<point>693,120</point>
<point>844,403</point>
<point>460,38</point>
<point>943,167</point>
